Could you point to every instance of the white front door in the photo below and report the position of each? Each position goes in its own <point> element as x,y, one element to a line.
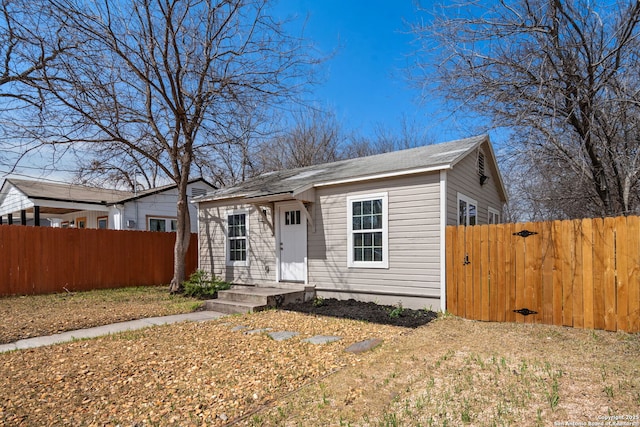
<point>292,241</point>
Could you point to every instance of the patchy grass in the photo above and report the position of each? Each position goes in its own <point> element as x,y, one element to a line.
<point>450,372</point>
<point>456,372</point>
<point>29,316</point>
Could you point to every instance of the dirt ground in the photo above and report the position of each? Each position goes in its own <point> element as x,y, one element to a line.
<point>448,372</point>
<point>40,315</point>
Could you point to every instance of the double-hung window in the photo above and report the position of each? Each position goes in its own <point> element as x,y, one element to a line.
<point>467,210</point>
<point>367,238</point>
<point>237,245</point>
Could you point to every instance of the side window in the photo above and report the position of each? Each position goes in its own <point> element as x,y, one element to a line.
<point>467,210</point>
<point>103,222</point>
<point>494,216</point>
<point>161,224</point>
<point>157,224</point>
<point>367,231</point>
<point>237,244</point>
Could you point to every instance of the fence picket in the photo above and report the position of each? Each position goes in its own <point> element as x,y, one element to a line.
<point>452,292</point>
<point>461,272</point>
<point>547,254</point>
<point>587,268</point>
<point>577,282</point>
<point>468,272</point>
<point>622,275</point>
<point>633,246</point>
<point>609,279</point>
<point>484,272</point>
<point>501,273</point>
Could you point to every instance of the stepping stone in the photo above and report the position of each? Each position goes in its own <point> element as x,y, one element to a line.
<point>282,335</point>
<point>239,328</point>
<point>257,331</point>
<point>362,346</point>
<point>322,339</point>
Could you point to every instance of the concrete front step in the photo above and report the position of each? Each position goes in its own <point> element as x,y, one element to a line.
<point>246,299</point>
<point>232,307</point>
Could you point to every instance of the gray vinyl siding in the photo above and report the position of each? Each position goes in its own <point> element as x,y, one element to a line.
<point>414,232</point>
<point>261,251</point>
<point>464,179</point>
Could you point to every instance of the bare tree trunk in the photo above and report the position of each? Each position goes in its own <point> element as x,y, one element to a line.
<point>183,234</point>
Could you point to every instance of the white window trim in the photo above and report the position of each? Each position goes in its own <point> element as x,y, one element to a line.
<point>494,212</point>
<point>468,200</point>
<point>385,231</point>
<point>227,254</point>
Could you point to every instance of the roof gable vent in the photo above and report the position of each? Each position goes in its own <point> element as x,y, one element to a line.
<point>195,192</point>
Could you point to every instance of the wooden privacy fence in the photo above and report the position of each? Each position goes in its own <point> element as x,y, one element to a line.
<point>38,260</point>
<point>581,273</point>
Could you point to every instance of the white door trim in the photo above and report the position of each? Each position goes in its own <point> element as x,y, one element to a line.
<point>280,209</point>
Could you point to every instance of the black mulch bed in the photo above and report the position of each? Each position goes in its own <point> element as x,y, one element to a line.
<point>367,311</point>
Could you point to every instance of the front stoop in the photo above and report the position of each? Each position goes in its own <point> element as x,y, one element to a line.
<point>247,299</point>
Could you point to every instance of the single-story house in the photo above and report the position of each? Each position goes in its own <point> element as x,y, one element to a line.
<point>370,228</point>
<point>31,202</point>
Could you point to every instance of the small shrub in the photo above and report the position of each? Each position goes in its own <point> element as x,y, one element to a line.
<point>318,302</point>
<point>201,285</point>
<point>396,312</point>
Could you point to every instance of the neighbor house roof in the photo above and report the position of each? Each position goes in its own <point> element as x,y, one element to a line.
<point>67,192</point>
<point>286,183</point>
<point>81,193</point>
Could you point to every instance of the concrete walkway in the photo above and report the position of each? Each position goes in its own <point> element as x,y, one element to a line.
<point>197,316</point>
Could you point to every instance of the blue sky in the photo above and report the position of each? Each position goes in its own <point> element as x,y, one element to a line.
<point>365,82</point>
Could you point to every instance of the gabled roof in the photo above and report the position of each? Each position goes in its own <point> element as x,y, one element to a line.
<point>294,181</point>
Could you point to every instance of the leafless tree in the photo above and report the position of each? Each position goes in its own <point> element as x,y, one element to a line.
<point>564,77</point>
<point>30,40</point>
<point>386,139</point>
<point>314,137</point>
<point>165,82</point>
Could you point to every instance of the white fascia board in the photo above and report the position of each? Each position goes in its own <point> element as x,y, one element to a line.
<point>218,199</point>
<point>385,175</point>
<point>79,206</point>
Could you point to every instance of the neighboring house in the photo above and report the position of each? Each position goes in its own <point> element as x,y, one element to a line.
<point>41,203</point>
<point>371,228</point>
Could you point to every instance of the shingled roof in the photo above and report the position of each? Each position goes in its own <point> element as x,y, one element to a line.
<point>421,159</point>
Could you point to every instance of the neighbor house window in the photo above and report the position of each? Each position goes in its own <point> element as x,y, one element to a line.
<point>367,237</point>
<point>103,222</point>
<point>161,224</point>
<point>237,245</point>
<point>467,210</point>
<point>494,216</point>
